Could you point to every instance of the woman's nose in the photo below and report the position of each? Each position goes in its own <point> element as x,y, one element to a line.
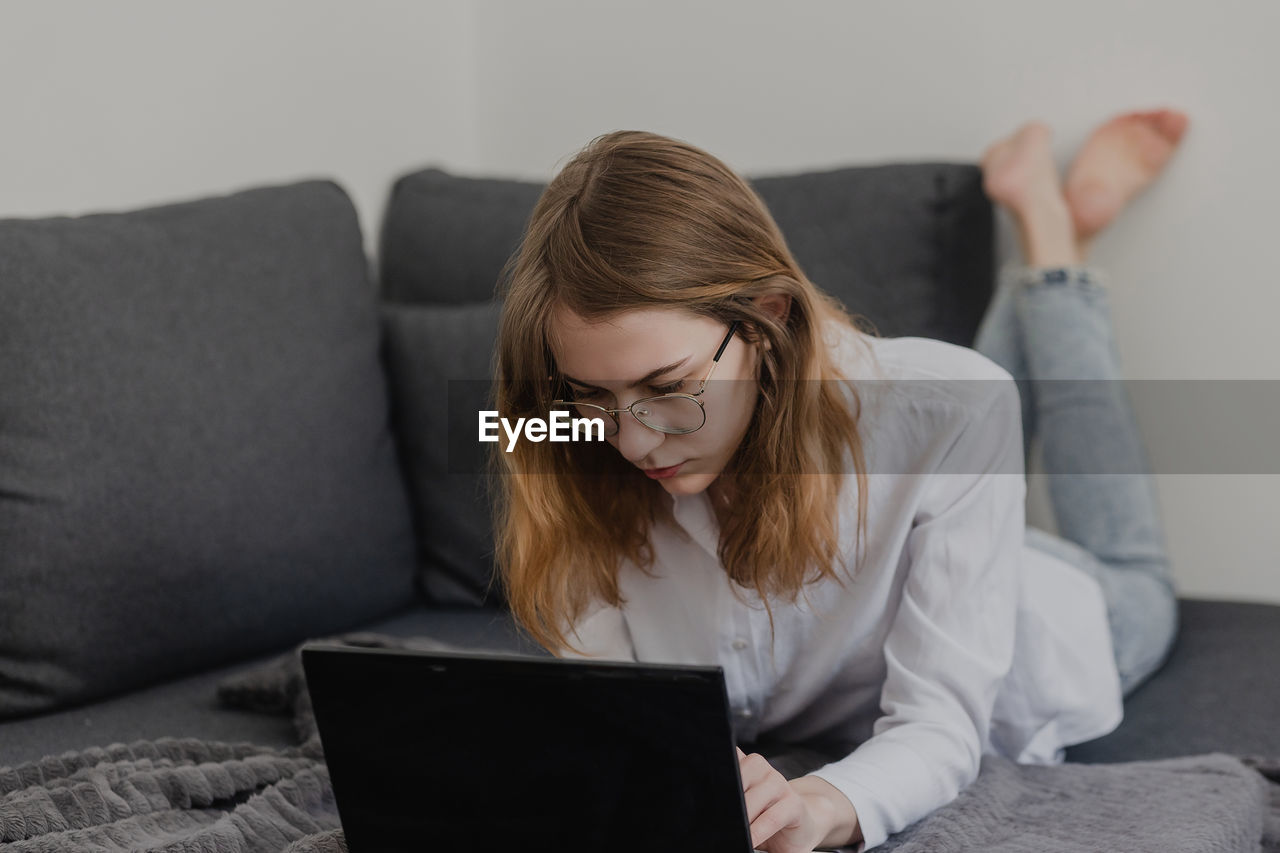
<point>634,440</point>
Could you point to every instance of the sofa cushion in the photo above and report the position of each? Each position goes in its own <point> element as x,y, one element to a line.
<point>908,246</point>
<point>438,361</point>
<point>445,237</point>
<point>189,707</point>
<point>195,457</point>
<point>1218,691</point>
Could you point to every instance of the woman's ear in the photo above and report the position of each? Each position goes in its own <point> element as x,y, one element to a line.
<point>777,304</point>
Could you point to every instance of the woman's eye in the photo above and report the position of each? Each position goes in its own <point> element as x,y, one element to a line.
<point>668,389</point>
<point>585,394</point>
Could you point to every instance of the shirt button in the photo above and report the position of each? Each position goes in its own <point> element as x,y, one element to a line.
<point>739,644</point>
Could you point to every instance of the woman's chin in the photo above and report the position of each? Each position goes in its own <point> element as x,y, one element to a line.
<point>687,484</point>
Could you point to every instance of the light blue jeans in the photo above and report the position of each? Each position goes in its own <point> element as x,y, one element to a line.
<point>1054,323</point>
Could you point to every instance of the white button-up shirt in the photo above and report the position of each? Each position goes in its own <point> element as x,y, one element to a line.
<point>954,639</point>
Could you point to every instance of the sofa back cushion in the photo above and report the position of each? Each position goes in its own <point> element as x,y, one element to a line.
<point>438,361</point>
<point>196,464</point>
<point>906,246</point>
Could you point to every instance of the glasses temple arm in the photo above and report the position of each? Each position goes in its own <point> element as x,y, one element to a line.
<point>716,359</point>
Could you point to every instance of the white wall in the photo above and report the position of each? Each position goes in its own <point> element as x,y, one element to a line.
<point>109,106</point>
<point>134,102</point>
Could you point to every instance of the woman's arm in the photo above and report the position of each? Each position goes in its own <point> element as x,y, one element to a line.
<point>951,641</point>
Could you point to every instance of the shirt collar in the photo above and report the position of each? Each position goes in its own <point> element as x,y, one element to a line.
<point>693,513</point>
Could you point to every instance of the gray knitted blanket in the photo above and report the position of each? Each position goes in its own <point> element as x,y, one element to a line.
<point>183,795</point>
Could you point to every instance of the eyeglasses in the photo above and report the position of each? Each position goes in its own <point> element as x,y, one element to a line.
<point>674,413</point>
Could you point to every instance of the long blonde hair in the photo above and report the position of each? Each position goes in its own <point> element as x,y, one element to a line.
<point>639,220</point>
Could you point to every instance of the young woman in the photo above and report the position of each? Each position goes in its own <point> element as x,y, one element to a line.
<point>852,551</point>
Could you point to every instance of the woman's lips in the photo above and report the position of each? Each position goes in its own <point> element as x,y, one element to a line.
<point>662,473</point>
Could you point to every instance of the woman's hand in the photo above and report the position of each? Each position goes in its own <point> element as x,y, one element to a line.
<point>787,817</point>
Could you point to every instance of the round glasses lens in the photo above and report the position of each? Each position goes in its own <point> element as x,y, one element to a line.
<point>671,414</point>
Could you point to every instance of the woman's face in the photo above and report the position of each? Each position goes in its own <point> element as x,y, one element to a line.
<point>609,363</point>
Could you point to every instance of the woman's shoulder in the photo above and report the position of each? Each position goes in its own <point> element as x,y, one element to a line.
<point>912,375</point>
<point>859,355</point>
<point>935,359</point>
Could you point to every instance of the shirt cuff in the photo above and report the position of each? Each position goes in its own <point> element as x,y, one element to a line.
<point>890,785</point>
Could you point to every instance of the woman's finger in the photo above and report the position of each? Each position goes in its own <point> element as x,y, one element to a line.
<point>755,768</point>
<point>785,813</point>
<point>764,794</point>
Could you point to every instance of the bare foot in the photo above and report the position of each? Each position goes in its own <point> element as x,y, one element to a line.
<point>1019,173</point>
<point>1117,162</point>
<point>1018,170</point>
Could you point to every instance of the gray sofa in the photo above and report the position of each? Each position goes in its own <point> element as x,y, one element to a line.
<point>221,435</point>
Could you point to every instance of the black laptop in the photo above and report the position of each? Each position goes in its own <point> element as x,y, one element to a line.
<point>484,752</point>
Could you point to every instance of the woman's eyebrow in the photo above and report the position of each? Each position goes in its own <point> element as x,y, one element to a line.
<point>648,377</point>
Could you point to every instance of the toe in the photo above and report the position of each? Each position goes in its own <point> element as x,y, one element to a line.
<point>1172,124</point>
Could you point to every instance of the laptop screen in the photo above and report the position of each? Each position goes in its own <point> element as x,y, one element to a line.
<point>492,752</point>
